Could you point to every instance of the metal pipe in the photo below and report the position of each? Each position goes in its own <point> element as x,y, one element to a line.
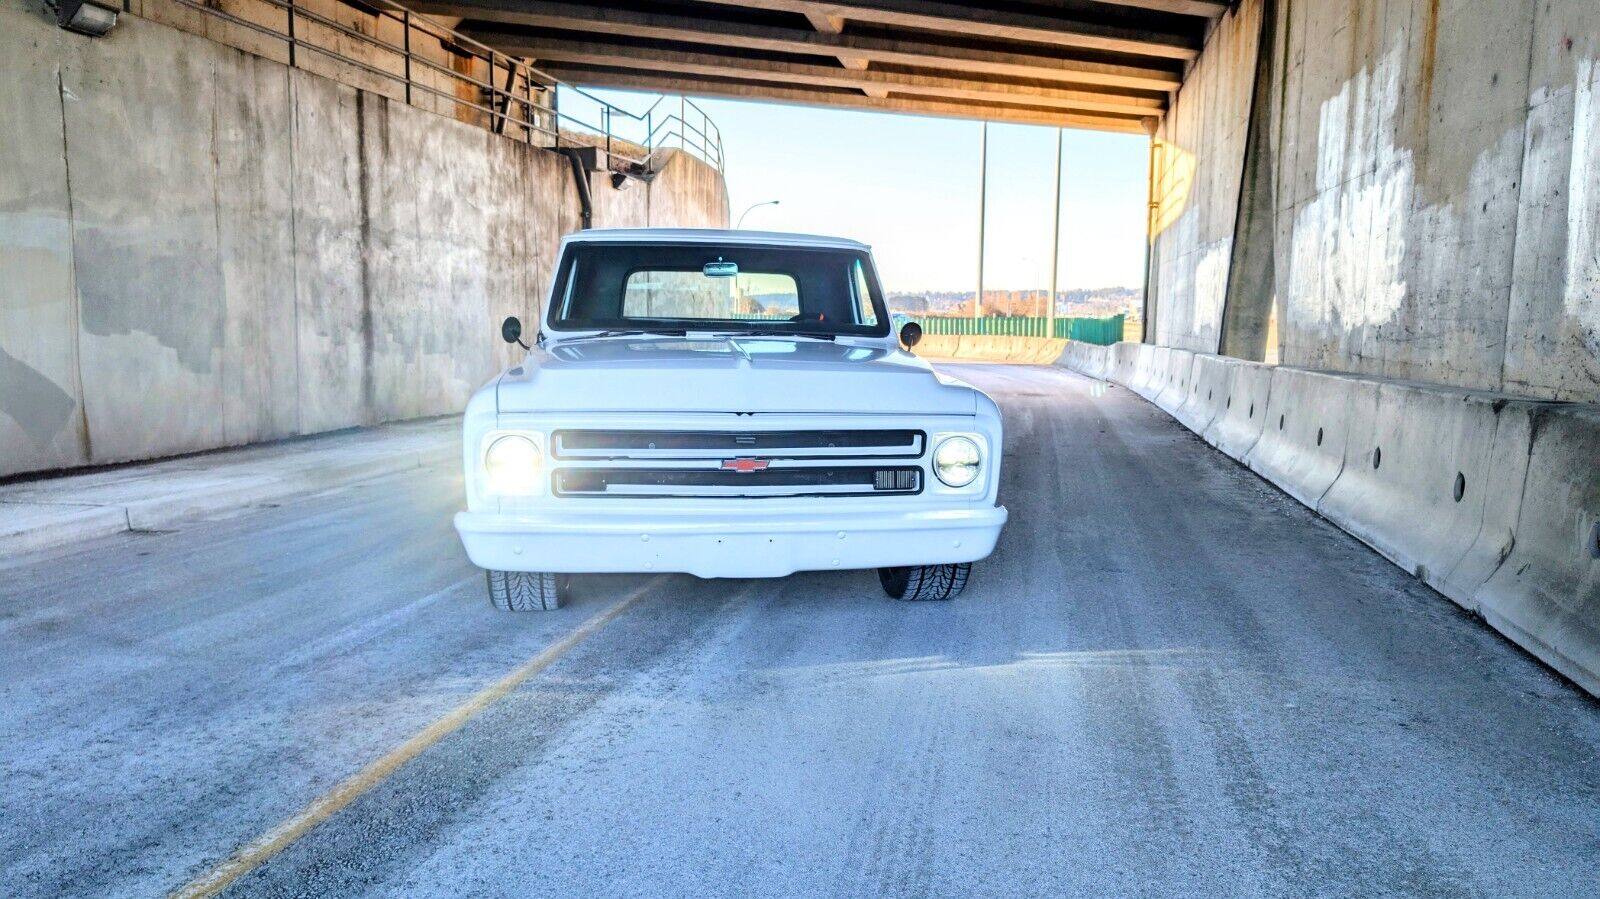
<point>580,180</point>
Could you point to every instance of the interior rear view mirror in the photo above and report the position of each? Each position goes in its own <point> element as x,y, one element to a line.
<point>720,269</point>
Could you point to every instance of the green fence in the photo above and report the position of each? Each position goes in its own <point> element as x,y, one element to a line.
<point>1102,331</point>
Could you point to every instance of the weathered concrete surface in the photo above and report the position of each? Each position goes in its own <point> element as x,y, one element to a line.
<point>41,413</point>
<point>1198,167</point>
<point>1490,499</point>
<point>1121,704</point>
<point>1435,208</point>
<point>204,248</point>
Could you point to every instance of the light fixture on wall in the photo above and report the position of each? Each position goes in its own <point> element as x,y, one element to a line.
<point>619,181</point>
<point>91,17</point>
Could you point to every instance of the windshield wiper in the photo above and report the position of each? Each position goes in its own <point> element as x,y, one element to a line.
<point>652,332</point>
<point>814,335</point>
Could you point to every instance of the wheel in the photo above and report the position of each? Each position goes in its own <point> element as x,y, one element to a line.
<point>526,591</point>
<point>925,582</point>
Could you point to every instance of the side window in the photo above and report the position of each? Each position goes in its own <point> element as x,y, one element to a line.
<point>865,314</point>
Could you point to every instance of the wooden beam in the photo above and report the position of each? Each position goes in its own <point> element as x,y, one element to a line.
<point>825,23</point>
<point>710,87</point>
<point>701,30</point>
<point>1209,9</point>
<point>873,83</point>
<point>984,21</point>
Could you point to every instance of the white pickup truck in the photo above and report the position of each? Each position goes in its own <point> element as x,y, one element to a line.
<point>724,404</point>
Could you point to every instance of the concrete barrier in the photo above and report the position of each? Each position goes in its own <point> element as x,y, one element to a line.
<point>1303,444</point>
<point>1546,593</point>
<point>1204,390</point>
<point>1125,366</point>
<point>1238,425</point>
<point>1148,371</point>
<point>1491,500</point>
<point>1412,485</point>
<point>939,346</point>
<point>987,348</point>
<point>1168,385</point>
<point>1087,358</point>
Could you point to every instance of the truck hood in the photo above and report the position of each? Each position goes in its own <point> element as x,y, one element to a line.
<point>728,374</point>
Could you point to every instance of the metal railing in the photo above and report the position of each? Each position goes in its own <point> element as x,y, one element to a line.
<point>1103,331</point>
<point>474,80</point>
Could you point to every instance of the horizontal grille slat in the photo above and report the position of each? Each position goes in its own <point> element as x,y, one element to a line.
<point>829,481</point>
<point>794,444</point>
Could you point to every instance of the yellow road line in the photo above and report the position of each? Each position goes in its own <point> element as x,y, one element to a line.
<point>264,847</point>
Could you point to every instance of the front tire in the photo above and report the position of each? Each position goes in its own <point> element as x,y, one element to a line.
<point>919,583</point>
<point>526,591</point>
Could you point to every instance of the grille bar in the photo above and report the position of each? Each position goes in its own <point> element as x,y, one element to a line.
<point>622,444</point>
<point>839,481</point>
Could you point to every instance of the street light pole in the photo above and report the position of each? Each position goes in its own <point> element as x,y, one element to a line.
<point>983,190</point>
<point>740,222</point>
<point>1055,248</point>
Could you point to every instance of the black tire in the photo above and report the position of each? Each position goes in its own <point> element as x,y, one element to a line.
<point>526,591</point>
<point>920,583</point>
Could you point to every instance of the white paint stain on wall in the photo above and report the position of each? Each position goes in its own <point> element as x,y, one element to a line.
<point>1349,241</point>
<point>1211,288</point>
<point>1582,296</point>
<point>1383,281</point>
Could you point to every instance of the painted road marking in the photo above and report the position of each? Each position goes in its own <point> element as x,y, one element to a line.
<point>264,847</point>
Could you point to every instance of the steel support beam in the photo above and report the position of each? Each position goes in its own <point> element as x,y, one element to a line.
<point>555,51</point>
<point>743,90</point>
<point>921,52</point>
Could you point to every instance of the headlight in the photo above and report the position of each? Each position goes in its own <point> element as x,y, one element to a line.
<point>956,461</point>
<point>511,465</point>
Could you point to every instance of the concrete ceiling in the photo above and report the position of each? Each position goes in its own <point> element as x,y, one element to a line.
<point>1099,64</point>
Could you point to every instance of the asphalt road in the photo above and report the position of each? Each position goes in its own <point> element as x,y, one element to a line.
<point>1170,679</point>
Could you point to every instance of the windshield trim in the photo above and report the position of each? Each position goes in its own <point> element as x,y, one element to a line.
<point>557,326</point>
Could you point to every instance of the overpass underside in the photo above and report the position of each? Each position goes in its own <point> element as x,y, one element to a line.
<point>1099,64</point>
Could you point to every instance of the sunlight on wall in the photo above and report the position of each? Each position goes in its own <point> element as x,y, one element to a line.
<point>1173,179</point>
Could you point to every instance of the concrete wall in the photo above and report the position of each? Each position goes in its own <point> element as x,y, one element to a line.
<point>1435,168</point>
<point>1198,163</point>
<point>200,247</point>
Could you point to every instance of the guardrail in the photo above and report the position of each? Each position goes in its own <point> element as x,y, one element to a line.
<point>473,80</point>
<point>1101,331</point>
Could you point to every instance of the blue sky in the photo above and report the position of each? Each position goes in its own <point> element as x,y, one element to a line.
<point>908,185</point>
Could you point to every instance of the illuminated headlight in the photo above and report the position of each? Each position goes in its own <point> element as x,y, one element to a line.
<point>512,464</point>
<point>957,461</point>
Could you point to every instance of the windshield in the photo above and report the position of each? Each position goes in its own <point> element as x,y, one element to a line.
<point>713,287</point>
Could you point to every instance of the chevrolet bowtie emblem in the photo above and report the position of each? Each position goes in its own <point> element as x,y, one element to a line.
<point>745,465</point>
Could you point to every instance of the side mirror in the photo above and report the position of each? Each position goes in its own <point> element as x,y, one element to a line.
<point>511,330</point>
<point>910,334</point>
